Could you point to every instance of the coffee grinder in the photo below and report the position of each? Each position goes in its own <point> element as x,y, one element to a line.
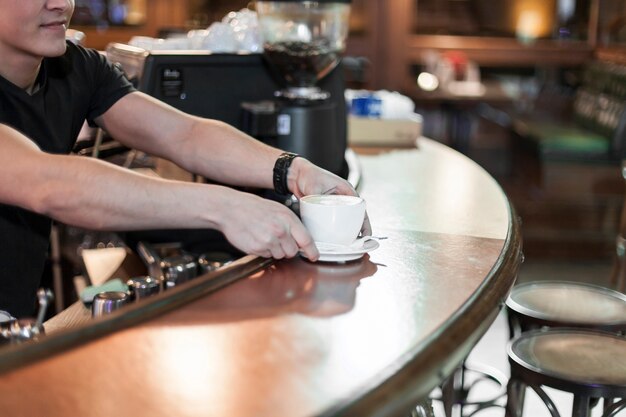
<point>303,42</point>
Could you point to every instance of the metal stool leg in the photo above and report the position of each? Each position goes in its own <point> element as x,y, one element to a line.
<point>448,395</point>
<point>546,400</point>
<point>514,324</point>
<point>581,406</point>
<point>456,390</point>
<point>615,408</point>
<point>515,391</point>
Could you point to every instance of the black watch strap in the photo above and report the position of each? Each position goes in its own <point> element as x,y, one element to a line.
<point>281,168</point>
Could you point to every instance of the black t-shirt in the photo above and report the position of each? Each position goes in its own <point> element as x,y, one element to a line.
<point>80,85</point>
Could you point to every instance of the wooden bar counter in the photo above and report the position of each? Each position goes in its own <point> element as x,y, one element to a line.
<point>365,338</point>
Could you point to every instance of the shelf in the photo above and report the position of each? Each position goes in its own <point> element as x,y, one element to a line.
<point>506,52</point>
<point>612,53</point>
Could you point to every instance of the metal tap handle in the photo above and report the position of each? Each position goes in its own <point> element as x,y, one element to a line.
<point>44,296</point>
<point>151,259</point>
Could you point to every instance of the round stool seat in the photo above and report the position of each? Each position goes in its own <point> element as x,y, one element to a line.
<point>572,360</point>
<point>569,304</point>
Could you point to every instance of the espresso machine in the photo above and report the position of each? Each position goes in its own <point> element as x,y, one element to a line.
<point>291,96</point>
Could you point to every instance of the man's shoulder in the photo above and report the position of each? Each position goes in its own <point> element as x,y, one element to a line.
<point>82,52</point>
<point>76,58</point>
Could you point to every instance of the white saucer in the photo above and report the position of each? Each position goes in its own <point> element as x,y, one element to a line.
<point>346,253</point>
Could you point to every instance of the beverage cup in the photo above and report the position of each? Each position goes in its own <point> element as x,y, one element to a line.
<point>334,219</point>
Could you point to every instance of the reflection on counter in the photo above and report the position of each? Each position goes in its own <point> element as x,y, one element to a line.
<point>296,287</point>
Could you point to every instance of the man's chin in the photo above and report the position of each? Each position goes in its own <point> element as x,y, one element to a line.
<point>54,51</point>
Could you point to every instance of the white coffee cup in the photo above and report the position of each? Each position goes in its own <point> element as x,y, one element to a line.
<point>335,219</point>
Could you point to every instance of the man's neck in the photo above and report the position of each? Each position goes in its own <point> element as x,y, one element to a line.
<point>32,89</point>
<point>22,70</point>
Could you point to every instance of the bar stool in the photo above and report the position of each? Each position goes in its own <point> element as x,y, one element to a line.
<point>558,304</point>
<point>535,305</point>
<point>563,304</point>
<point>587,363</point>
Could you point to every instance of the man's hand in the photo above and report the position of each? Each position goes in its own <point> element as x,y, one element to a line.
<point>305,178</point>
<point>263,227</point>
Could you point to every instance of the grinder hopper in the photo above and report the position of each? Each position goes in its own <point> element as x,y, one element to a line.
<point>303,42</point>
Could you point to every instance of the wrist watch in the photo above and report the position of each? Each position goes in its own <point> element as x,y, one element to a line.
<point>281,168</point>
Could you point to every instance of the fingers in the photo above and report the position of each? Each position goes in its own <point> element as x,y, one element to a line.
<point>311,179</point>
<point>294,239</point>
<point>284,248</point>
<point>366,229</point>
<point>305,242</point>
<point>276,250</point>
<point>265,228</point>
<point>289,237</point>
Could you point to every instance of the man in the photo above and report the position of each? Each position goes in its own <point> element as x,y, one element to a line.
<point>48,88</point>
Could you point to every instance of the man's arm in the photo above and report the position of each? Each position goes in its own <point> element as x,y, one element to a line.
<point>93,194</point>
<point>207,147</point>
<point>211,148</point>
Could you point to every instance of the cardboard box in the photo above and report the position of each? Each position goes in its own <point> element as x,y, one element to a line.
<point>384,132</point>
